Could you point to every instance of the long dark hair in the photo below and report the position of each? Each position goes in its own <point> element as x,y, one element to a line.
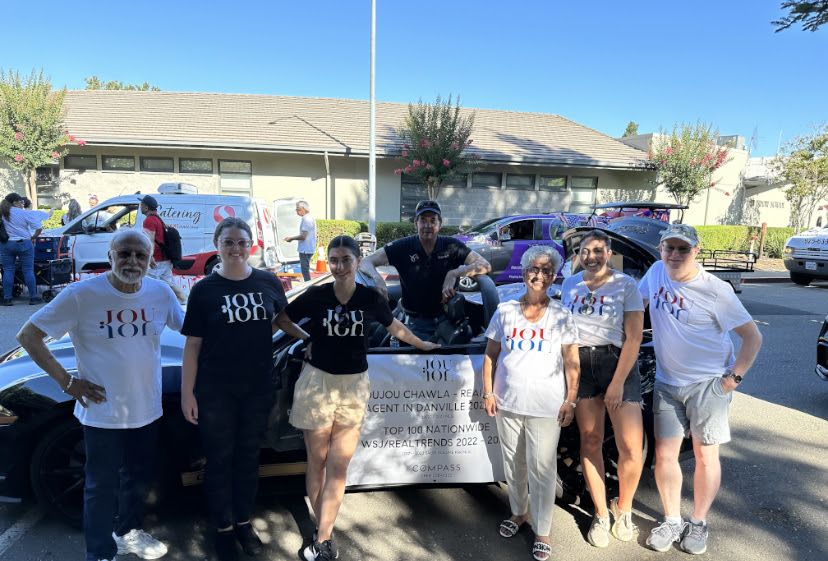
<point>5,209</point>
<point>347,242</point>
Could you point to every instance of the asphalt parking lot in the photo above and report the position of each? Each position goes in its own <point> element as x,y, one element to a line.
<point>771,507</point>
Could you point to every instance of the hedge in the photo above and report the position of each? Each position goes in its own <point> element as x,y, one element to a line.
<point>737,238</point>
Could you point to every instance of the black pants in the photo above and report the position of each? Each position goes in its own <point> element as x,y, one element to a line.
<point>232,422</point>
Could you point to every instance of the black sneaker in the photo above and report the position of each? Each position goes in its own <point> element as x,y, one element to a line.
<point>35,301</point>
<point>334,549</point>
<point>319,551</point>
<point>8,303</point>
<point>249,539</point>
<point>226,546</point>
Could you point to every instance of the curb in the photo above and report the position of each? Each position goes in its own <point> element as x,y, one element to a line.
<point>764,280</point>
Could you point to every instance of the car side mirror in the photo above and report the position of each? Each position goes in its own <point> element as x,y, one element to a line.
<point>504,237</point>
<point>89,228</point>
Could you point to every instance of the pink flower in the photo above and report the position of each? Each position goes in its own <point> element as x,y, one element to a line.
<point>428,166</point>
<point>651,155</point>
<point>55,155</point>
<point>455,144</point>
<point>416,163</point>
<point>446,162</point>
<point>404,153</point>
<point>405,146</point>
<point>407,168</point>
<point>663,162</point>
<point>425,143</point>
<point>18,158</point>
<point>397,171</point>
<point>692,162</point>
<point>81,143</point>
<point>727,194</point>
<point>71,138</point>
<point>18,136</point>
<point>669,151</point>
<point>713,184</point>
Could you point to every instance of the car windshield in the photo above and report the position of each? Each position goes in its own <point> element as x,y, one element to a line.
<point>483,226</point>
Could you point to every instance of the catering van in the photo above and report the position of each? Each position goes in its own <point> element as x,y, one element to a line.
<point>194,215</point>
<point>806,256</point>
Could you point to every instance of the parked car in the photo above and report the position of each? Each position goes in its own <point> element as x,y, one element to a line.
<point>822,352</point>
<point>806,256</point>
<point>436,425</point>
<point>503,241</point>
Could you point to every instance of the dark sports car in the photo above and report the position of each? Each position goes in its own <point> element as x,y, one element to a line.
<point>822,352</point>
<point>425,422</point>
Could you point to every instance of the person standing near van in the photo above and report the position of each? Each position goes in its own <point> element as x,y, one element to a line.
<point>306,238</point>
<point>154,229</point>
<point>22,228</point>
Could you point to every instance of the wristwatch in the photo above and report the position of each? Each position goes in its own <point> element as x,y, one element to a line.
<point>730,374</point>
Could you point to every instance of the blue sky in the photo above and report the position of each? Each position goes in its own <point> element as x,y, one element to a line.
<point>600,63</point>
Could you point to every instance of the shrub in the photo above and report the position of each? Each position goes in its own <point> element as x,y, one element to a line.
<point>737,238</point>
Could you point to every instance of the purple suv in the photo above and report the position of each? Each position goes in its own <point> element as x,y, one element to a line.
<point>502,241</point>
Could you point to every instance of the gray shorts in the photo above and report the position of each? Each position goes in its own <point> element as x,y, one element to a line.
<point>700,409</point>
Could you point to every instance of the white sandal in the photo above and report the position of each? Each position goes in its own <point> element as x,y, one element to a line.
<point>541,551</point>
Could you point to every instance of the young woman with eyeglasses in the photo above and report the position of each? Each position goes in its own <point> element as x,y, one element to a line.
<point>609,312</point>
<point>333,389</point>
<point>227,385</point>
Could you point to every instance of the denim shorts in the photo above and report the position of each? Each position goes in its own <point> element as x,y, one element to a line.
<point>701,409</point>
<point>597,370</point>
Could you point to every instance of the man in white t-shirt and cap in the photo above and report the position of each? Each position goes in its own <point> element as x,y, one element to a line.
<point>306,238</point>
<point>115,322</point>
<point>692,313</point>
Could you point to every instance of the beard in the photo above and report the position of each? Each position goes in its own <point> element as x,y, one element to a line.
<point>128,276</point>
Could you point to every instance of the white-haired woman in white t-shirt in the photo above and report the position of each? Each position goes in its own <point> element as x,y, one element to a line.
<point>609,312</point>
<point>530,383</point>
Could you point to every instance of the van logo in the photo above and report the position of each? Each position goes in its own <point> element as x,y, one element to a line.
<point>222,212</point>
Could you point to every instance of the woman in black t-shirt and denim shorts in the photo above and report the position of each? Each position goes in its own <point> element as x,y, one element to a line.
<point>332,391</point>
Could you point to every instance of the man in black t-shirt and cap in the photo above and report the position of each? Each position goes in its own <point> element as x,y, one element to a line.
<point>429,267</point>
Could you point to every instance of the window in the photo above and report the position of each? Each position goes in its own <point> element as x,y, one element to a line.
<point>107,219</point>
<point>585,182</point>
<point>487,180</point>
<point>553,183</point>
<point>236,177</point>
<point>46,175</point>
<point>455,181</point>
<point>523,182</point>
<point>157,164</point>
<point>80,162</point>
<point>118,163</point>
<point>522,230</point>
<point>412,191</point>
<point>195,165</point>
<point>584,190</point>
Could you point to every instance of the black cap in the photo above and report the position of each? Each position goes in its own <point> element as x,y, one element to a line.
<point>12,198</point>
<point>150,201</point>
<point>427,206</point>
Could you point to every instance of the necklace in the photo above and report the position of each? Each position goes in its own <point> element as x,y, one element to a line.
<point>538,313</point>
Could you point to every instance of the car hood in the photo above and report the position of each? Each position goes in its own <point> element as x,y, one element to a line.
<point>813,237</point>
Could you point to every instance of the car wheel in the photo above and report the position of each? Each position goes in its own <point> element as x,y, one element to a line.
<point>48,296</point>
<point>468,284</point>
<point>800,279</point>
<point>211,264</point>
<point>56,471</point>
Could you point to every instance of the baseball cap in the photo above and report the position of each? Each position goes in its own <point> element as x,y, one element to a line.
<point>12,198</point>
<point>150,201</point>
<point>427,206</point>
<point>681,232</point>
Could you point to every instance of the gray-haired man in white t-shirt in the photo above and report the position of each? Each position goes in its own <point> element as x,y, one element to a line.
<point>306,238</point>
<point>692,313</point>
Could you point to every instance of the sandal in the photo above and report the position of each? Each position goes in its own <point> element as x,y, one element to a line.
<point>541,551</point>
<point>508,528</point>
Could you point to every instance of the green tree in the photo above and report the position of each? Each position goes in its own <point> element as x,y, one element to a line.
<point>803,165</point>
<point>31,124</point>
<point>631,130</point>
<point>811,14</point>
<point>435,142</point>
<point>686,160</point>
<point>95,83</point>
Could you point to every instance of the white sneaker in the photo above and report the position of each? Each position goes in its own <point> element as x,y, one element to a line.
<point>141,544</point>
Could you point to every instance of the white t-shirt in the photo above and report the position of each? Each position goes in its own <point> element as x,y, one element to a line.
<point>601,320</point>
<point>21,223</point>
<point>691,321</point>
<point>117,344</point>
<point>530,378</point>
<point>308,224</point>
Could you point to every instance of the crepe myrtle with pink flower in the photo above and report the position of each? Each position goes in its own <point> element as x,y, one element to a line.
<point>436,140</point>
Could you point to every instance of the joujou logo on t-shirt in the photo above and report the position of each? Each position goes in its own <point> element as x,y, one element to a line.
<point>244,307</point>
<point>344,323</point>
<point>672,304</point>
<point>128,323</point>
<point>529,339</point>
<point>591,304</point>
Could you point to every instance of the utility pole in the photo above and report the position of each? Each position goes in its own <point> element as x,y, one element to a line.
<point>372,150</point>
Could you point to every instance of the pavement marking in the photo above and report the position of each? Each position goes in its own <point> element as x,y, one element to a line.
<point>19,529</point>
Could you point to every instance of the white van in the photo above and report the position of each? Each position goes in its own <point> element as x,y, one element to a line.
<point>806,256</point>
<point>195,216</point>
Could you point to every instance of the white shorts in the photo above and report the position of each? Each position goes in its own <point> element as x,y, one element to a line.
<point>162,271</point>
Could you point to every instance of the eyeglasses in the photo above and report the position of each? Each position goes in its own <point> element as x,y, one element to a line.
<point>139,255</point>
<point>537,271</point>
<point>682,249</point>
<point>242,244</point>
<point>587,309</point>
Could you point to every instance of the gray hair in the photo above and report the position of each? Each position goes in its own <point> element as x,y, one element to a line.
<point>537,252</point>
<point>127,233</point>
<point>303,204</point>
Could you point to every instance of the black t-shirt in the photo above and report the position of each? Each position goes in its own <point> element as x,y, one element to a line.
<point>338,331</point>
<point>234,320</point>
<point>421,275</point>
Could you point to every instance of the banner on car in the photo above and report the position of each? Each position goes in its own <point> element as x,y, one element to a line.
<point>425,423</point>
